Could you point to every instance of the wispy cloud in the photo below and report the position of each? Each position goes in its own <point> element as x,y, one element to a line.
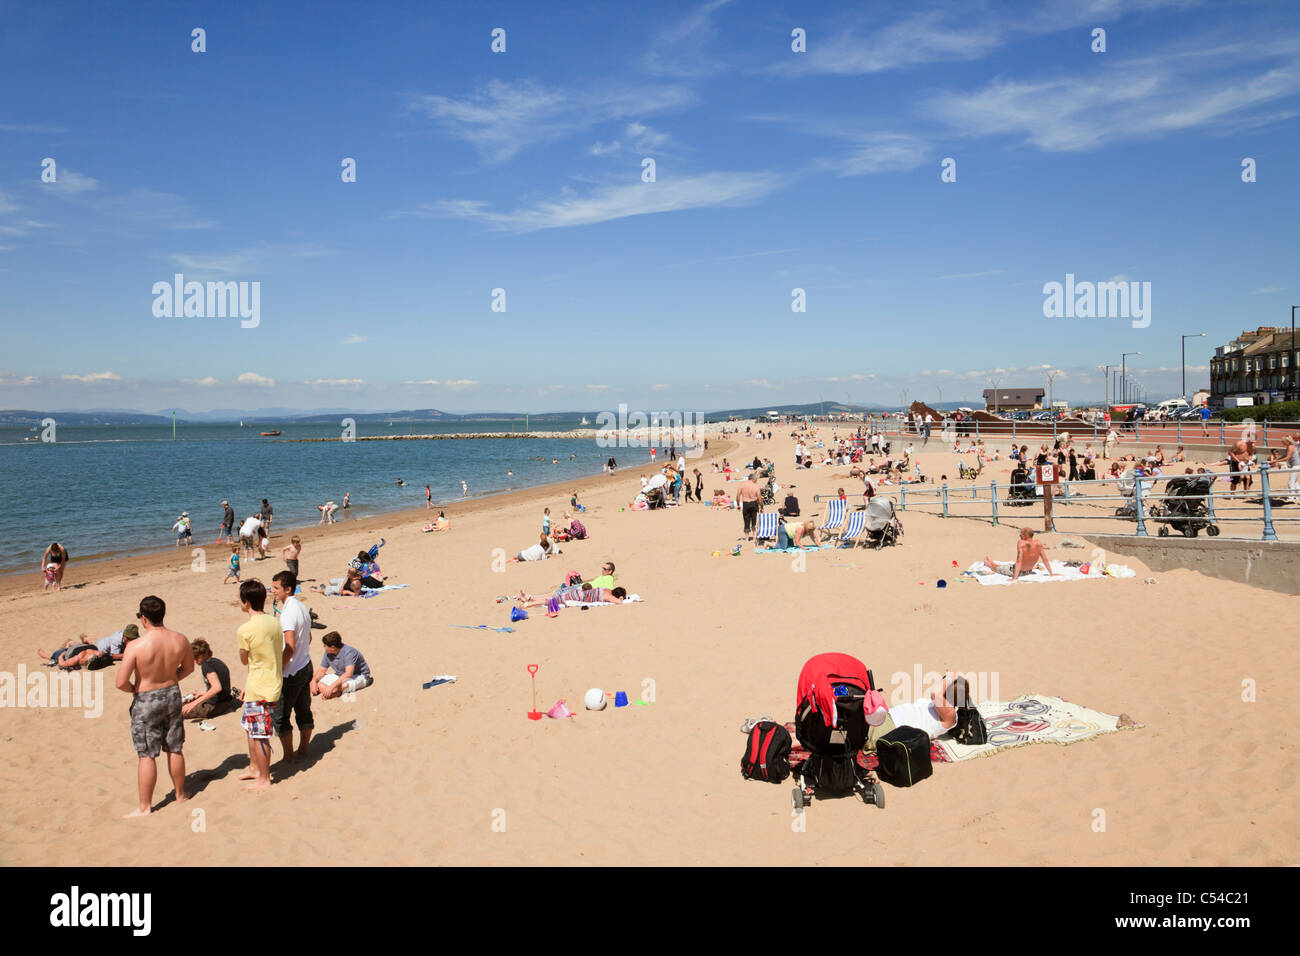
<point>252,378</point>
<point>502,118</point>
<point>258,259</point>
<point>1268,290</point>
<point>334,381</point>
<point>1130,101</point>
<point>355,339</point>
<point>8,378</point>
<point>972,275</point>
<point>93,378</point>
<point>460,383</point>
<point>206,382</point>
<point>427,381</point>
<point>615,202</point>
<point>596,388</point>
<point>688,47</point>
<point>70,181</point>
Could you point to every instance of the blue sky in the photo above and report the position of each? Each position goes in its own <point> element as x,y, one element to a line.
<point>522,171</point>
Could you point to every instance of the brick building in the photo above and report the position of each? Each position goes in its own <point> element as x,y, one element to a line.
<point>1259,365</point>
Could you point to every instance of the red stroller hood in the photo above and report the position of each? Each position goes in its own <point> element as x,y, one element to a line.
<point>815,683</point>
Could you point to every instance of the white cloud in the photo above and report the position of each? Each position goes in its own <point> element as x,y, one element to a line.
<point>8,378</point>
<point>335,381</point>
<point>615,202</point>
<point>252,378</point>
<point>660,388</point>
<point>688,47</point>
<point>596,388</point>
<point>70,181</point>
<point>972,275</point>
<point>760,382</point>
<point>460,383</point>
<point>645,139</point>
<point>502,118</point>
<point>205,382</point>
<point>427,381</point>
<point>1268,290</point>
<point>93,377</point>
<point>355,339</point>
<point>604,149</point>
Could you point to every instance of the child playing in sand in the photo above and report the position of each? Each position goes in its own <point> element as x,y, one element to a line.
<point>546,521</point>
<point>290,554</point>
<point>51,576</point>
<point>232,572</point>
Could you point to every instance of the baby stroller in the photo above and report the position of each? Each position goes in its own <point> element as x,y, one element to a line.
<point>836,703</point>
<point>1127,485</point>
<point>1022,488</point>
<point>882,526</point>
<point>1186,511</point>
<point>654,497</point>
<point>966,471</point>
<point>768,494</point>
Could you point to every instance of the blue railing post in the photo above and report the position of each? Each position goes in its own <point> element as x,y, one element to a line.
<point>1222,436</point>
<point>1180,431</point>
<point>993,490</point>
<point>1137,430</point>
<point>977,428</point>
<point>1013,429</point>
<point>1264,443</point>
<point>902,498</point>
<point>1053,429</point>
<point>1066,485</point>
<point>944,494</point>
<point>1141,512</point>
<point>1269,533</point>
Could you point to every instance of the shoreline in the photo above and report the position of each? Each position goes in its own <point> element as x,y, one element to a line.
<point>14,584</point>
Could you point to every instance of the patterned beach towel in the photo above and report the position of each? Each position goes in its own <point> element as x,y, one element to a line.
<point>371,592</point>
<point>980,572</point>
<point>1032,719</point>
<point>793,550</point>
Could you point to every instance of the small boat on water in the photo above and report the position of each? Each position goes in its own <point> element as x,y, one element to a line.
<point>269,434</point>
<point>584,421</point>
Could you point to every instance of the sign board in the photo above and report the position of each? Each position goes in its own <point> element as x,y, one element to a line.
<point>1047,474</point>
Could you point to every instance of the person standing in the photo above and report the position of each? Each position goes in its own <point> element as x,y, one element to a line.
<point>227,523</point>
<point>928,421</point>
<point>152,666</point>
<point>261,649</point>
<point>750,498</point>
<point>1205,421</point>
<point>464,488</point>
<point>1109,446</point>
<point>266,515</point>
<point>428,497</point>
<point>295,690</point>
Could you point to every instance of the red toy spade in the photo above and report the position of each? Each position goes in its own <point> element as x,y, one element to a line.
<point>534,714</point>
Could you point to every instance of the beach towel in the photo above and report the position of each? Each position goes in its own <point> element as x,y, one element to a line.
<point>980,572</point>
<point>1031,719</point>
<point>630,599</point>
<point>793,550</point>
<point>371,592</point>
<point>484,627</point>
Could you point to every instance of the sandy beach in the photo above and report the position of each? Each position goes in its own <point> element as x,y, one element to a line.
<point>458,775</point>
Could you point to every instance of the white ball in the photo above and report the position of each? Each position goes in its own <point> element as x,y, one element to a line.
<point>594,699</point>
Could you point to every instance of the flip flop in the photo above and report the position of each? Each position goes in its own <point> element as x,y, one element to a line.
<point>441,679</point>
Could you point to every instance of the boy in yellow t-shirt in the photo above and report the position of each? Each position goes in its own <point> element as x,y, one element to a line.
<point>261,647</point>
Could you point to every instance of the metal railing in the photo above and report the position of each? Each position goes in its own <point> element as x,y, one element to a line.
<point>1143,505</point>
<point>1218,432</point>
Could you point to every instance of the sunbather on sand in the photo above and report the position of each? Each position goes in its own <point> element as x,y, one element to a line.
<point>1028,554</point>
<point>574,593</point>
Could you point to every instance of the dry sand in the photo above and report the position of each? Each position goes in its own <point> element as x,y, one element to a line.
<point>410,776</point>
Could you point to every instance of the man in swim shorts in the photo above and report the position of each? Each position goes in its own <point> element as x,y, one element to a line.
<point>261,648</point>
<point>152,666</point>
<point>1028,554</point>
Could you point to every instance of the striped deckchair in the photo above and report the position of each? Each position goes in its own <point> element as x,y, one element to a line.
<point>834,516</point>
<point>767,522</point>
<point>853,525</point>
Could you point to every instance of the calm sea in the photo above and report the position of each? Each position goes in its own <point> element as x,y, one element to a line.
<point>105,490</point>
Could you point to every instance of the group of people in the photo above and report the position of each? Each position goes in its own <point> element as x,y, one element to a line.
<point>277,696</point>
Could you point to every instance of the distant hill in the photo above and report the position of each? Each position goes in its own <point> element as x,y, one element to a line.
<point>26,418</point>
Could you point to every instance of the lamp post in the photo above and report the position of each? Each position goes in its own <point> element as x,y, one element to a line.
<point>1292,363</point>
<point>1051,391</point>
<point>1123,365</point>
<point>1106,405</point>
<point>994,382</point>
<point>1184,343</point>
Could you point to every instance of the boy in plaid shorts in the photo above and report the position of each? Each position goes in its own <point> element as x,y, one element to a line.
<point>261,647</point>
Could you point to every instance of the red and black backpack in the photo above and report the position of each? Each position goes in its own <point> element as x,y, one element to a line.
<point>767,753</point>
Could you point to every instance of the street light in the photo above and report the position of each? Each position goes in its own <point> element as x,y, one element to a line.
<point>1192,336</point>
<point>1107,368</point>
<point>1292,363</point>
<point>1051,392</point>
<point>995,382</point>
<point>1123,364</point>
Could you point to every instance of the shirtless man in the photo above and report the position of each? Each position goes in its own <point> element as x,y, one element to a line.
<point>152,667</point>
<point>1028,553</point>
<point>751,501</point>
<point>1239,458</point>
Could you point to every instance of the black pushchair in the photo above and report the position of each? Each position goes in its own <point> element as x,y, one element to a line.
<point>1185,510</point>
<point>831,724</point>
<point>768,493</point>
<point>1021,491</point>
